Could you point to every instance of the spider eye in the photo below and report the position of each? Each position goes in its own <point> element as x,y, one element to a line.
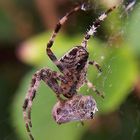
<point>91,115</point>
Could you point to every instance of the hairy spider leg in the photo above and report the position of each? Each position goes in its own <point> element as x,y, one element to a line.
<point>55,32</point>
<point>94,63</point>
<point>90,85</point>
<point>91,32</point>
<point>28,100</point>
<point>95,25</point>
<point>50,78</point>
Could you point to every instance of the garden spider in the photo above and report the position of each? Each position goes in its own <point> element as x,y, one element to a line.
<point>73,70</point>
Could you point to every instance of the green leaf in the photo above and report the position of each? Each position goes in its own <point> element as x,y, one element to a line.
<point>133,30</point>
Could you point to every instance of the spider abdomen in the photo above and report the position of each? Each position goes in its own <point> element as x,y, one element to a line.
<point>78,108</point>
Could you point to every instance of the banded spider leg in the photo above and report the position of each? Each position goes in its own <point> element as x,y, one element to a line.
<point>55,32</point>
<point>50,78</point>
<point>84,43</point>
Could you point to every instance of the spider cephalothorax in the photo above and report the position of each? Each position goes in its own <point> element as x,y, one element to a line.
<point>75,61</point>
<point>73,70</point>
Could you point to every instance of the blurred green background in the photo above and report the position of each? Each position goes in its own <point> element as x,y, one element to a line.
<point>26,26</point>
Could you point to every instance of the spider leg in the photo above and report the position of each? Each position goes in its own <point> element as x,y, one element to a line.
<point>28,100</point>
<point>95,25</point>
<point>96,65</point>
<point>50,78</point>
<point>51,41</point>
<point>90,85</point>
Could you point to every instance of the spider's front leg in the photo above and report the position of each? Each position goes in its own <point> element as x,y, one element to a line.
<point>90,85</point>
<point>95,25</point>
<point>50,78</point>
<point>51,41</point>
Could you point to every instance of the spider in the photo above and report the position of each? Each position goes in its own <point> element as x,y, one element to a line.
<point>73,70</point>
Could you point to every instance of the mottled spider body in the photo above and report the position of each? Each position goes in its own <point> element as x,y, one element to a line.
<point>73,70</point>
<point>75,61</point>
